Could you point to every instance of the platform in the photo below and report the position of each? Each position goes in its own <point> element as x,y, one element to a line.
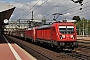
<point>84,38</point>
<point>11,51</point>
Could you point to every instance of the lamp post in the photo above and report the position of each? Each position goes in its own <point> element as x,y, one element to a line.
<point>83,27</point>
<point>87,28</point>
<point>79,29</point>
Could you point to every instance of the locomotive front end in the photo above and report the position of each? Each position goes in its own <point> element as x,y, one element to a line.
<point>67,36</point>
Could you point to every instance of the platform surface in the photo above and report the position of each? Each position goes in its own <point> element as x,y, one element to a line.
<point>11,51</point>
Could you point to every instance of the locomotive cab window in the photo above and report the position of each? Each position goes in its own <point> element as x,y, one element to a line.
<point>62,29</point>
<point>70,29</point>
<point>66,29</point>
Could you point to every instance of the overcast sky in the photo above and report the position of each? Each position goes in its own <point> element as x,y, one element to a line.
<point>45,8</point>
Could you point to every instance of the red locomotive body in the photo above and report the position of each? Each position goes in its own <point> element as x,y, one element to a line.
<point>30,33</point>
<point>60,34</point>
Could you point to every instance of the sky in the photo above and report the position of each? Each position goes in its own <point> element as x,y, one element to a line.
<point>43,9</point>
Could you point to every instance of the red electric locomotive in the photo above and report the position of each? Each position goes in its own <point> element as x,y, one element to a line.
<point>60,34</point>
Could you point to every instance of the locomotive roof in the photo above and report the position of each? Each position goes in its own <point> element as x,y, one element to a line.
<point>62,22</point>
<point>59,23</point>
<point>29,28</point>
<point>44,26</point>
<point>68,20</point>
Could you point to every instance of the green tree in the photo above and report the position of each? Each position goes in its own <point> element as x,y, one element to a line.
<point>77,18</point>
<point>83,25</point>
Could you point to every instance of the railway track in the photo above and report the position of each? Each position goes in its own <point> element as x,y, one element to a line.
<point>83,46</point>
<point>78,55</point>
<point>84,42</point>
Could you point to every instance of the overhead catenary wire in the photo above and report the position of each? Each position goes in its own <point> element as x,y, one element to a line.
<point>34,9</point>
<point>73,7</point>
<point>31,7</point>
<point>29,11</point>
<point>80,11</point>
<point>62,11</point>
<point>83,12</point>
<point>52,8</point>
<point>86,12</point>
<point>76,12</point>
<point>18,13</point>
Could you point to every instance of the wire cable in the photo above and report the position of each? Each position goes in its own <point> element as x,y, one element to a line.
<point>29,11</point>
<point>21,9</point>
<point>52,8</point>
<point>78,12</point>
<point>32,6</point>
<point>35,8</point>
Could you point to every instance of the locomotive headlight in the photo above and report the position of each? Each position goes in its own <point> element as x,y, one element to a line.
<point>71,36</point>
<point>63,36</point>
